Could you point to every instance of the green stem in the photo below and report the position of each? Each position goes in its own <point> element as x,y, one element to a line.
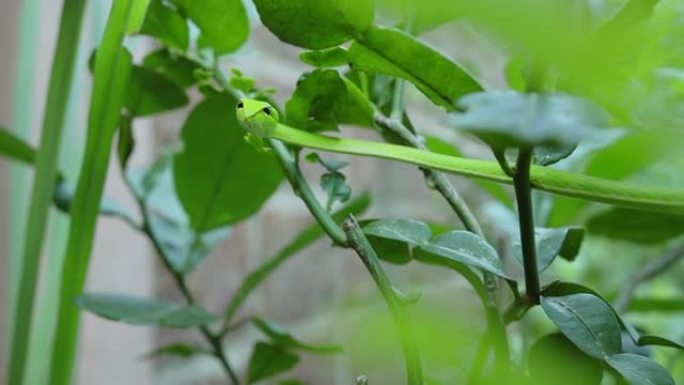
<point>523,196</point>
<point>44,182</point>
<point>358,241</point>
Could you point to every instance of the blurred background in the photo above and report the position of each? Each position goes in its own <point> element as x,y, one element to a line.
<point>321,295</point>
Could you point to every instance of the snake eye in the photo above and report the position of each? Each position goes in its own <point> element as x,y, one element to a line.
<point>240,105</point>
<point>267,110</point>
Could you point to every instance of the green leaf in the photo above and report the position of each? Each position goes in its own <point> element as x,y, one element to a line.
<point>14,147</point>
<point>661,305</point>
<point>112,69</point>
<point>175,68</point>
<point>305,238</point>
<point>316,24</point>
<point>659,341</point>
<point>547,155</point>
<point>504,119</point>
<point>331,165</point>
<point>166,24</point>
<point>564,242</point>
<point>177,350</point>
<point>223,23</point>
<point>325,58</point>
<point>64,197</point>
<point>463,247</point>
<point>183,248</point>
<point>323,99</point>
<point>142,311</point>
<point>136,16</point>
<point>126,141</point>
<point>394,53</point>
<point>587,321</point>
<point>335,185</point>
<point>636,226</point>
<point>284,339</point>
<point>550,356</point>
<point>219,177</point>
<point>269,360</point>
<point>392,238</point>
<point>639,370</point>
<point>150,93</point>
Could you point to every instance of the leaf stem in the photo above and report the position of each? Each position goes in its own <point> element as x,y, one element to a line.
<point>358,241</point>
<point>523,196</point>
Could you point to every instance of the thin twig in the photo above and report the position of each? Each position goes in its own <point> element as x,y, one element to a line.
<point>358,241</point>
<point>647,272</point>
<point>523,196</point>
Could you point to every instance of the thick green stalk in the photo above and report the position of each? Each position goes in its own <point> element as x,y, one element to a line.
<point>44,182</point>
<point>358,241</point>
<point>112,66</point>
<point>523,195</point>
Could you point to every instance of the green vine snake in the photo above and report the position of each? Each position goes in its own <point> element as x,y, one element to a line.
<point>262,120</point>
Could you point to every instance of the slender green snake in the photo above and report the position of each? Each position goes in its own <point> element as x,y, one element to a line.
<point>262,120</point>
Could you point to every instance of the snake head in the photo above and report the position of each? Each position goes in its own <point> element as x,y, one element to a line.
<point>257,117</point>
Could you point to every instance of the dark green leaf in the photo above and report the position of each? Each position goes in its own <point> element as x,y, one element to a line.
<point>219,177</point>
<point>125,142</point>
<point>316,24</point>
<point>550,356</point>
<point>182,247</point>
<point>394,53</point>
<point>659,341</point>
<point>285,340</point>
<point>335,185</point>
<point>142,311</point>
<point>64,198</point>
<point>636,226</point>
<point>305,238</point>
<point>463,247</point>
<point>177,350</point>
<point>587,321</point>
<point>291,382</point>
<point>325,58</point>
<point>223,23</point>
<point>150,93</point>
<point>13,147</point>
<point>506,119</point>
<point>323,99</point>
<point>166,24</point>
<point>639,370</point>
<point>405,230</point>
<point>547,155</point>
<point>175,68</point>
<point>269,360</point>
<point>330,164</point>
<point>564,242</point>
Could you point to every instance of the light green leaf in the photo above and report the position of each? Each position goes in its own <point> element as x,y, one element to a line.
<point>405,230</point>
<point>323,99</point>
<point>658,305</point>
<point>316,24</point>
<point>550,355</point>
<point>639,370</point>
<point>506,119</point>
<point>269,360</point>
<point>394,53</point>
<point>149,93</point>
<point>284,339</point>
<point>142,311</point>
<point>223,23</point>
<point>64,197</point>
<point>462,247</point>
<point>166,24</point>
<point>335,185</point>
<point>325,58</point>
<point>137,13</point>
<point>636,226</point>
<point>220,178</point>
<point>587,321</point>
<point>563,242</point>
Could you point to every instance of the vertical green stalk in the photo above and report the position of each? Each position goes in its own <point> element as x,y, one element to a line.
<point>523,195</point>
<point>112,66</point>
<point>44,181</point>
<point>358,241</point>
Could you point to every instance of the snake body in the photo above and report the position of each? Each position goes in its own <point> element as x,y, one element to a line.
<point>628,195</point>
